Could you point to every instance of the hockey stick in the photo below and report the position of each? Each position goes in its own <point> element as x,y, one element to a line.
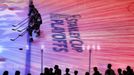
<point>22,29</point>
<point>19,27</point>
<point>20,22</point>
<point>20,35</point>
<point>15,38</point>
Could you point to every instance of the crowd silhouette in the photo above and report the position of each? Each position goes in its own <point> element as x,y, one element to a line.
<point>57,71</point>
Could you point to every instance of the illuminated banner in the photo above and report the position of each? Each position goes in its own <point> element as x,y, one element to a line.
<point>60,43</point>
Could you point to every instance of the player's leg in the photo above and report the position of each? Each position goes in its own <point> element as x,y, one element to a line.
<point>30,30</point>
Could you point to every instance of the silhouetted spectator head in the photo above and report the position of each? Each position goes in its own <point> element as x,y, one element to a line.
<point>56,67</point>
<point>75,72</point>
<point>57,70</point>
<point>119,70</point>
<point>87,73</point>
<point>51,69</point>
<point>67,70</point>
<point>124,72</point>
<point>5,73</point>
<point>128,68</point>
<point>29,74</point>
<point>41,73</point>
<point>95,69</point>
<point>46,70</point>
<point>17,73</point>
<point>109,66</point>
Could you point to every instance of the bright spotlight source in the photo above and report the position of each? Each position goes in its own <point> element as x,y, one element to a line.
<point>88,47</point>
<point>83,47</point>
<point>1,49</point>
<point>98,47</point>
<point>42,46</point>
<point>27,47</point>
<point>93,47</point>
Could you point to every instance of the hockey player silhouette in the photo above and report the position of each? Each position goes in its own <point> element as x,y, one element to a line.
<point>35,21</point>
